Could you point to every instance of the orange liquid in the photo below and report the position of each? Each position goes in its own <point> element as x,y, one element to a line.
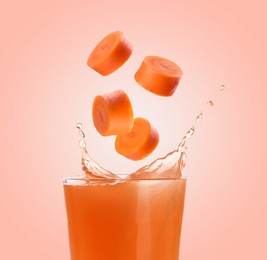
<point>135,220</point>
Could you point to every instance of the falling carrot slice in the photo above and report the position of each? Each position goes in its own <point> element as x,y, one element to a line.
<point>139,142</point>
<point>112,113</point>
<point>159,75</point>
<point>110,53</point>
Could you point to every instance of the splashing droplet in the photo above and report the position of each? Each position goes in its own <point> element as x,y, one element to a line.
<point>79,126</point>
<point>82,144</point>
<point>199,118</point>
<point>222,87</point>
<point>182,163</point>
<point>82,134</point>
<point>189,133</point>
<point>210,103</point>
<point>182,148</point>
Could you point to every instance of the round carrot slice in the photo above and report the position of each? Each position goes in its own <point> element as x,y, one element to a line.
<point>112,113</point>
<point>110,53</point>
<point>139,142</point>
<point>159,75</point>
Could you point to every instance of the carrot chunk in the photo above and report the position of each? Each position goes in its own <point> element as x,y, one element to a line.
<point>139,142</point>
<point>110,53</point>
<point>159,75</point>
<point>112,113</point>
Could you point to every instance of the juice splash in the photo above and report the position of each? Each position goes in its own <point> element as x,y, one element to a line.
<point>173,164</point>
<point>170,166</point>
<point>89,166</point>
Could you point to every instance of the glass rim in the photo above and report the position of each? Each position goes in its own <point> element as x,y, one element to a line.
<point>122,178</point>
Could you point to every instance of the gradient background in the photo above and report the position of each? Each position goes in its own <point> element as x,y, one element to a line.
<point>46,88</point>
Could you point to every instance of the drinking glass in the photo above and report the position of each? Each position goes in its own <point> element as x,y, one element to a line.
<point>124,219</point>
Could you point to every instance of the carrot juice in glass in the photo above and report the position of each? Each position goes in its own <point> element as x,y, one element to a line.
<point>133,219</point>
<point>136,216</point>
<point>126,217</point>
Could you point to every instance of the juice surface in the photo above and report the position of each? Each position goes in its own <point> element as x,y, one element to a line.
<point>131,220</point>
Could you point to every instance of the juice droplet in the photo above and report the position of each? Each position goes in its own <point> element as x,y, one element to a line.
<point>82,142</point>
<point>210,103</point>
<point>79,126</point>
<point>182,162</point>
<point>199,118</point>
<point>222,87</point>
<point>189,133</point>
<point>182,148</point>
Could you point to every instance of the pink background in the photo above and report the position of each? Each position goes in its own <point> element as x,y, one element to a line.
<point>46,88</point>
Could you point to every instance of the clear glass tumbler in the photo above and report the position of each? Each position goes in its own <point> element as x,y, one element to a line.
<point>126,219</point>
